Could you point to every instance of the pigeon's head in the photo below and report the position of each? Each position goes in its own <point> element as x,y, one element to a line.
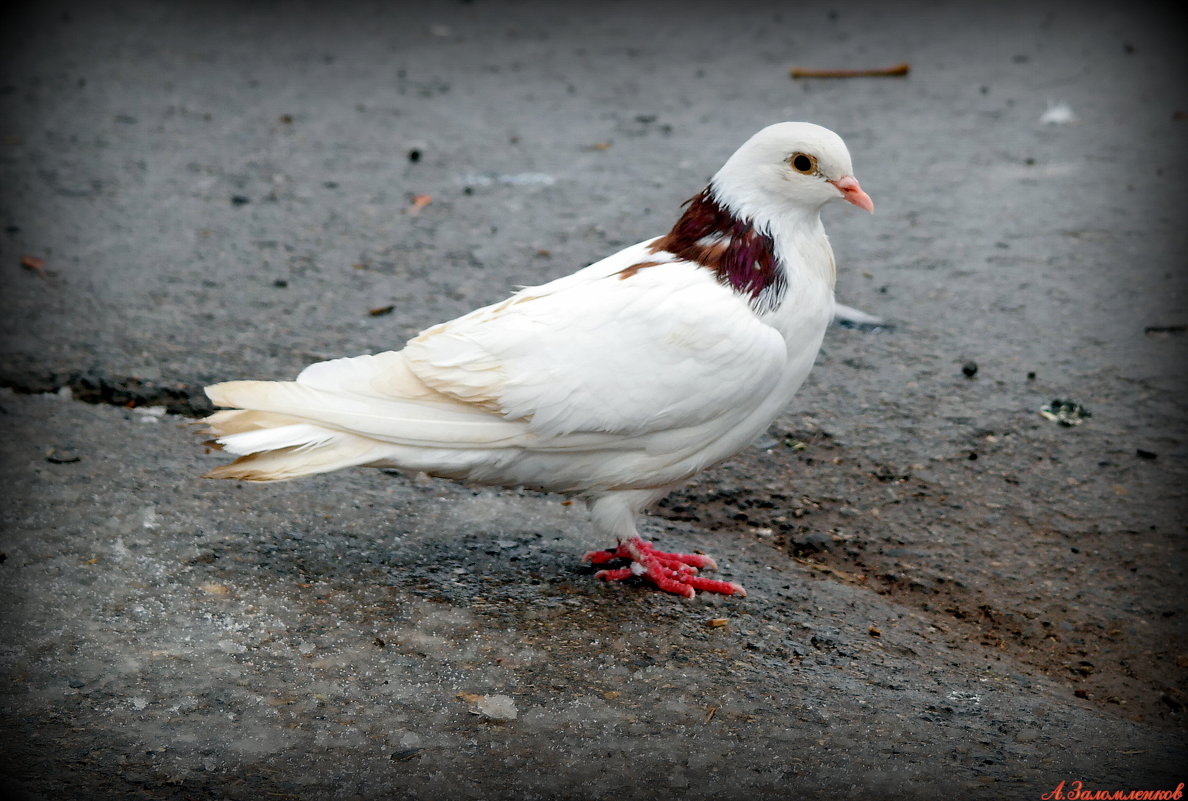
<point>789,167</point>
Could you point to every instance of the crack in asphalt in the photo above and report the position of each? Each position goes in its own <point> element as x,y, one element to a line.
<point>181,398</point>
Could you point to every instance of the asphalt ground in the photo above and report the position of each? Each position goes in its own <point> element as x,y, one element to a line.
<point>948,592</point>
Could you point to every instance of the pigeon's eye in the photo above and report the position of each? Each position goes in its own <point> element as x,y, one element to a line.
<point>803,163</point>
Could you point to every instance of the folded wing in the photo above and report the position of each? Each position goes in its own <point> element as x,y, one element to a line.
<point>661,348</point>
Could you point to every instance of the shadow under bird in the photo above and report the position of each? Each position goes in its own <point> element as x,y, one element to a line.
<point>616,383</point>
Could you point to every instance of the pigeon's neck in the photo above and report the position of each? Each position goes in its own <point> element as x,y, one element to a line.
<point>740,254</point>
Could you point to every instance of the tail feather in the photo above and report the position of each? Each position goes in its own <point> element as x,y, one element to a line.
<point>365,411</point>
<point>283,464</point>
<point>394,420</point>
<point>382,375</point>
<point>236,421</point>
<point>344,413</point>
<point>301,436</point>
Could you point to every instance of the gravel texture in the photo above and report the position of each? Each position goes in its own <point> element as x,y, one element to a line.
<point>950,592</point>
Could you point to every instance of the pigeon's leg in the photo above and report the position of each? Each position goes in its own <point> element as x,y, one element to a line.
<point>672,572</point>
<point>632,547</point>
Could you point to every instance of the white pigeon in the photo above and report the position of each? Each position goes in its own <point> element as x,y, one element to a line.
<point>618,382</point>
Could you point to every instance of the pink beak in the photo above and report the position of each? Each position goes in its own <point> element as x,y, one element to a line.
<point>853,193</point>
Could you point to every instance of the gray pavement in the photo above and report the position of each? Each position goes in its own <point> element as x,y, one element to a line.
<point>948,593</point>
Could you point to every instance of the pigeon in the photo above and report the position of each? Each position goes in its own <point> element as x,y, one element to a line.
<point>615,384</point>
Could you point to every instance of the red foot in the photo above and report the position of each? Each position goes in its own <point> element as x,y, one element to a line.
<point>671,572</point>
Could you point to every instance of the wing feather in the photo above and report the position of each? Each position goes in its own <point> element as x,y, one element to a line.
<point>603,351</point>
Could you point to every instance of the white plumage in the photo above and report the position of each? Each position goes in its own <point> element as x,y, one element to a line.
<point>618,382</point>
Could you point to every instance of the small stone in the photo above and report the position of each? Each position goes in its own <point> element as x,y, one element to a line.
<point>1065,412</point>
<point>497,707</point>
<point>815,541</point>
<point>1027,736</point>
<point>969,369</point>
<point>62,456</point>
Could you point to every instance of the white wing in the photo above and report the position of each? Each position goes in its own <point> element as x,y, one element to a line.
<point>609,349</point>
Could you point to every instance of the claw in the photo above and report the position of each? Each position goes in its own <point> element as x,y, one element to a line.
<point>672,572</point>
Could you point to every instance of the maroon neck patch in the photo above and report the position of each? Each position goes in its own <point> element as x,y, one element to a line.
<point>741,256</point>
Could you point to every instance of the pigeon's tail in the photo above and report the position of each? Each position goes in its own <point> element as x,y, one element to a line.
<point>310,449</point>
<point>349,413</point>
